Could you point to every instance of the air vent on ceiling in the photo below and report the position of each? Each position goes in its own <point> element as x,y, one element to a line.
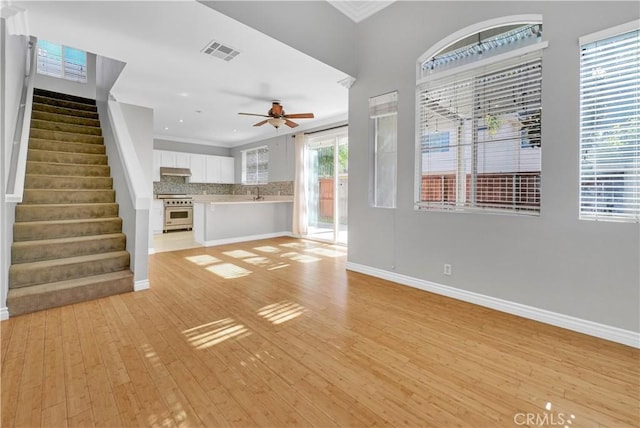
<point>219,50</point>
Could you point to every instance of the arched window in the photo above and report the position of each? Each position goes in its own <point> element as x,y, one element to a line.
<point>478,115</point>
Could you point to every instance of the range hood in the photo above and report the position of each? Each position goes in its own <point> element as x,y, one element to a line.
<point>176,172</point>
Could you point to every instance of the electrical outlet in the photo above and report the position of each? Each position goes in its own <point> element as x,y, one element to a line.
<point>447,269</point>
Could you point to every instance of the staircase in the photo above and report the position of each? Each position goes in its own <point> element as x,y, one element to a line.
<point>68,242</point>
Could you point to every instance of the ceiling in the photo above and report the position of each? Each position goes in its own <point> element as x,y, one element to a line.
<point>358,10</point>
<point>195,97</point>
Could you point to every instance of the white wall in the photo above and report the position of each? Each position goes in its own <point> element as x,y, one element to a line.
<point>587,270</point>
<point>86,90</point>
<point>12,74</point>
<point>199,149</point>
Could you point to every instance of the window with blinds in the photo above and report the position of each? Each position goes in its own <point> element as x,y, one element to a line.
<point>478,136</point>
<point>383,115</point>
<point>255,166</point>
<point>610,125</point>
<point>62,61</point>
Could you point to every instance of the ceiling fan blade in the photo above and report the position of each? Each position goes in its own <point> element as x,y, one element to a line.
<point>299,116</point>
<point>290,124</point>
<point>261,123</point>
<point>253,114</point>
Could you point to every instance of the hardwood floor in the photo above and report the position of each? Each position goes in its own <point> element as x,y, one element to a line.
<point>277,333</point>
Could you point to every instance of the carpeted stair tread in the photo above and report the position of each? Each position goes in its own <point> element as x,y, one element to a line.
<point>35,181</point>
<point>25,274</point>
<point>64,110</point>
<point>67,169</point>
<point>37,155</point>
<point>70,196</point>
<point>61,96</point>
<point>64,103</point>
<point>64,146</point>
<point>65,136</point>
<point>48,249</point>
<point>52,212</point>
<point>49,229</point>
<point>65,127</point>
<point>44,296</point>
<point>64,118</point>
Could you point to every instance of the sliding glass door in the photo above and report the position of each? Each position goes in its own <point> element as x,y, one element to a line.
<point>327,186</point>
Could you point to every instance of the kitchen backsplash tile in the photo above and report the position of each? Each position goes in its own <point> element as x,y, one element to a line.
<point>171,184</point>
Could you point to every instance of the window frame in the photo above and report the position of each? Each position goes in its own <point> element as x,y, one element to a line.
<point>257,182</point>
<point>383,106</point>
<point>604,214</point>
<point>423,77</point>
<point>64,64</point>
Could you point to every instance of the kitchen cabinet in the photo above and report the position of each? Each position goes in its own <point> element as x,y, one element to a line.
<point>157,216</point>
<point>204,168</point>
<point>198,168</point>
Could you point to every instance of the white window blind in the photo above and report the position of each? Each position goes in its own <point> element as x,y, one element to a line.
<point>610,128</point>
<point>383,114</point>
<point>62,61</point>
<point>255,166</point>
<point>479,138</point>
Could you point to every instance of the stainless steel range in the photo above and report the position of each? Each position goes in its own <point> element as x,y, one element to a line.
<point>178,212</point>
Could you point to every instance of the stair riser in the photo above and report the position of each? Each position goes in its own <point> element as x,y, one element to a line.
<point>61,146</point>
<point>65,136</point>
<point>26,304</point>
<point>35,253</point>
<point>64,111</point>
<point>64,103</point>
<point>61,118</point>
<point>31,232</point>
<point>25,277</point>
<point>60,96</point>
<point>48,196</point>
<point>42,168</point>
<point>65,157</point>
<point>65,212</point>
<point>65,127</point>
<point>56,182</point>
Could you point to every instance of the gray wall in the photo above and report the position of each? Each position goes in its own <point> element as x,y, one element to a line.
<point>86,90</point>
<point>198,149</point>
<point>313,27</point>
<point>555,262</point>
<point>281,158</point>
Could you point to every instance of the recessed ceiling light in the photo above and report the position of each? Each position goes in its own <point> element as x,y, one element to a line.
<point>166,128</point>
<point>180,120</point>
<point>184,94</point>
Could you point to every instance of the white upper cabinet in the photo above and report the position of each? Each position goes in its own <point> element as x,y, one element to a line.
<point>204,168</point>
<point>198,168</point>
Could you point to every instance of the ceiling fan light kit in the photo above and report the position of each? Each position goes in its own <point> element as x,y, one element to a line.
<point>277,117</point>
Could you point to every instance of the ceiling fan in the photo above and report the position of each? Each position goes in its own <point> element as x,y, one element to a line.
<point>277,117</point>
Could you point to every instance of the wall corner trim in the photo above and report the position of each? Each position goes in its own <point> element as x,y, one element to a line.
<point>614,334</point>
<point>4,313</point>
<point>141,285</point>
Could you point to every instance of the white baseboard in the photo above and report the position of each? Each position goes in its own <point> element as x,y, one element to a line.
<point>141,285</point>
<point>234,240</point>
<point>591,328</point>
<point>152,250</point>
<point>4,313</point>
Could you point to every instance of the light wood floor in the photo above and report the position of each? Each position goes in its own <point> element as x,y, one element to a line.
<point>276,333</point>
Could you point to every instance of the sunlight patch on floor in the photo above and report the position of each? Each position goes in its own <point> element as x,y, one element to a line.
<point>265,262</point>
<point>267,249</point>
<point>324,252</point>
<point>281,312</point>
<point>203,259</point>
<point>239,254</point>
<point>210,334</point>
<point>302,258</point>
<point>228,271</point>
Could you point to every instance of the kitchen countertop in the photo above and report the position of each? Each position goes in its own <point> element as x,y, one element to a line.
<point>239,199</point>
